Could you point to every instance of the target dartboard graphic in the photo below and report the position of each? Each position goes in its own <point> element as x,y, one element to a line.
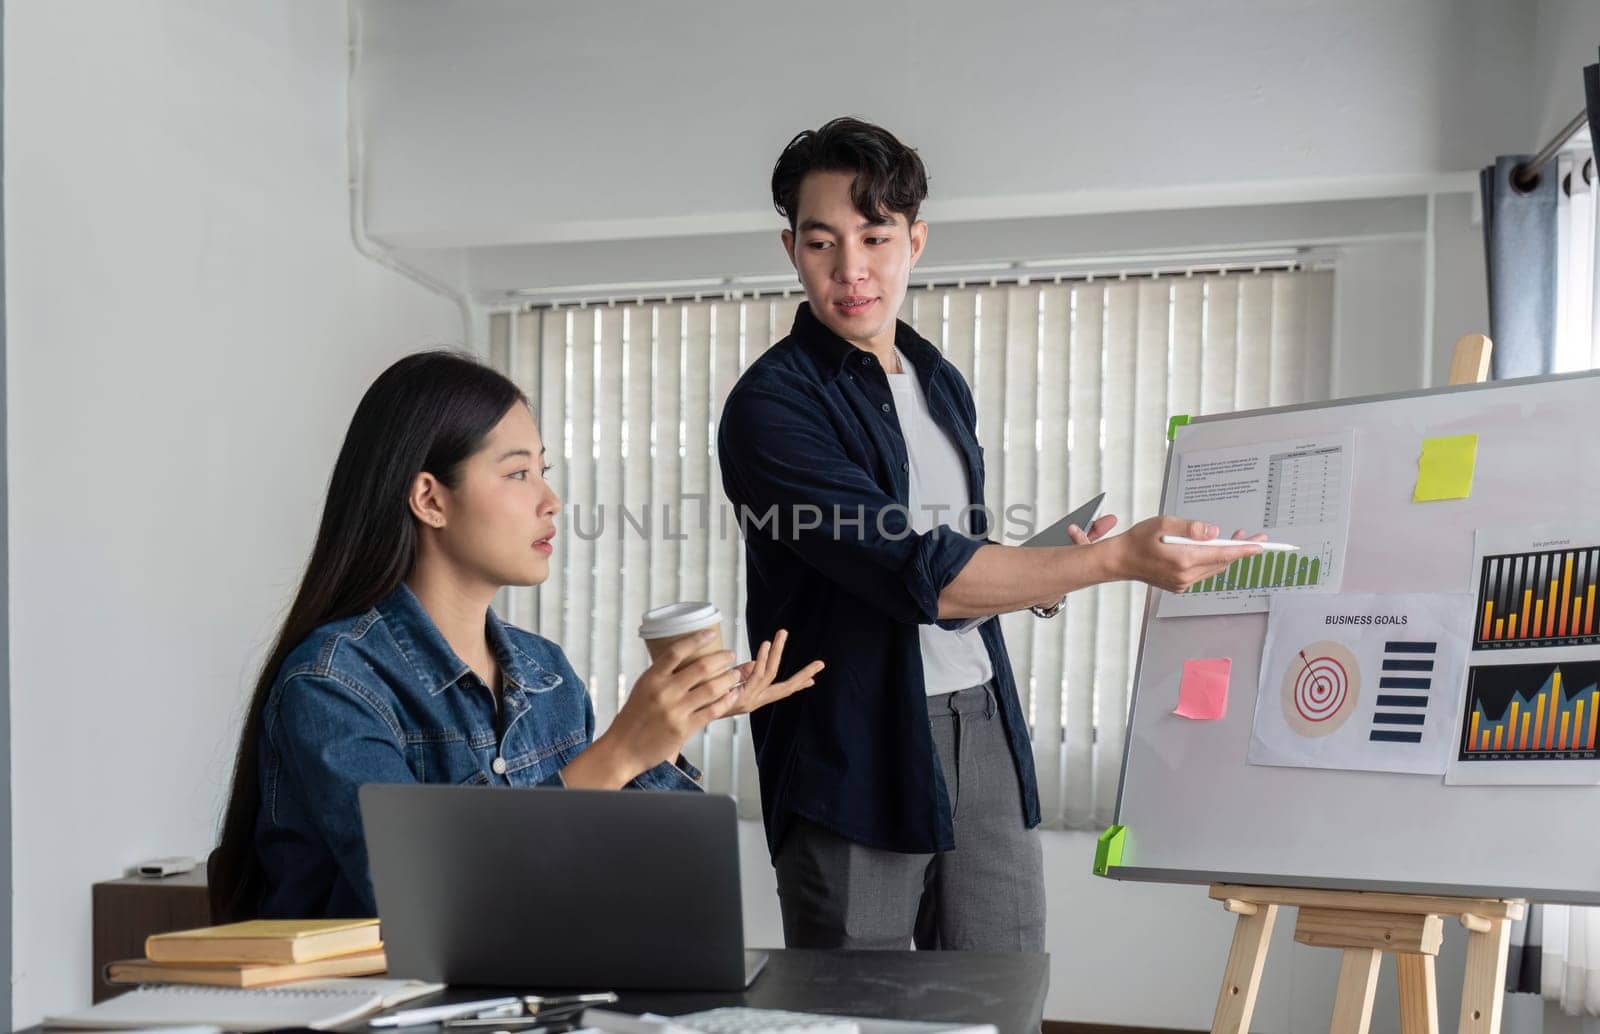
<point>1320,689</point>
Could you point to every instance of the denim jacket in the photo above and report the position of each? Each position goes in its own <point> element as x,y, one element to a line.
<point>381,698</point>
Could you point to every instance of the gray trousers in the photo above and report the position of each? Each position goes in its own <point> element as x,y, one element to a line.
<point>986,895</point>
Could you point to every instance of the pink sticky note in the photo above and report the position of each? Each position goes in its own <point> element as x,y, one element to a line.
<point>1203,691</point>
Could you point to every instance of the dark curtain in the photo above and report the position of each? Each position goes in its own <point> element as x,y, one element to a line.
<point>1519,237</point>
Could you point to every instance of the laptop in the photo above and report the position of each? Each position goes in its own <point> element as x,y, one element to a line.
<point>555,888</point>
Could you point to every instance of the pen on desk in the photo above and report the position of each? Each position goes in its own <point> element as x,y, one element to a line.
<point>521,1024</point>
<point>511,1006</point>
<point>535,1003</point>
<point>542,1013</point>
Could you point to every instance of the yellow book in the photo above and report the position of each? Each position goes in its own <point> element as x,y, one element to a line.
<point>248,974</point>
<point>265,940</point>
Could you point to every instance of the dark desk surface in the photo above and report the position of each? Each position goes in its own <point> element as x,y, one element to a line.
<point>1006,990</point>
<point>962,987</point>
<point>968,987</point>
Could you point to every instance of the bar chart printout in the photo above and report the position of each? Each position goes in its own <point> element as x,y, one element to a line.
<point>1539,598</point>
<point>1532,689</point>
<point>1532,712</point>
<point>1269,571</point>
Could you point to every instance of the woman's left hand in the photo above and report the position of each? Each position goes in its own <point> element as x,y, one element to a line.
<point>753,680</point>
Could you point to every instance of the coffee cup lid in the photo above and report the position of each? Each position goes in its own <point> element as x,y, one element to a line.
<point>678,618</point>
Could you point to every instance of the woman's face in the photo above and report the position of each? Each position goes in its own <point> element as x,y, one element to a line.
<point>500,519</point>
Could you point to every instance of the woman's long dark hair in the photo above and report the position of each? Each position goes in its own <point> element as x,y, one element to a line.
<point>427,412</point>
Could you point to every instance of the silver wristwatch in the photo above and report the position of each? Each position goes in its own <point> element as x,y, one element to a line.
<point>1052,610</point>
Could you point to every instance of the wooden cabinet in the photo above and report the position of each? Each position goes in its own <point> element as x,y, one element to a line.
<point>126,911</point>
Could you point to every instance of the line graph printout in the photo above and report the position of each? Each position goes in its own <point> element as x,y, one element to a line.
<point>1529,723</point>
<point>1361,681</point>
<point>1295,491</point>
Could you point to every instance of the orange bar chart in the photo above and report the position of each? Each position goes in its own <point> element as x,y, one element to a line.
<point>1532,712</point>
<point>1544,598</point>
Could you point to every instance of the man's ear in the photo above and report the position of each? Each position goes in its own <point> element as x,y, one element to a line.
<point>426,502</point>
<point>788,247</point>
<point>919,240</point>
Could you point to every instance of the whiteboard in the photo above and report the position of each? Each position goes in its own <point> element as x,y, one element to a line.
<point>1196,812</point>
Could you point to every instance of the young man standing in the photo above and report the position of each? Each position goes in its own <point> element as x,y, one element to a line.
<point>899,792</point>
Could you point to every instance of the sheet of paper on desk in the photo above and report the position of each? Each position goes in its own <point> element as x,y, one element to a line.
<point>734,1020</point>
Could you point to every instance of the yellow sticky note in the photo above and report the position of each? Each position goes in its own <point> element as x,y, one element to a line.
<point>1445,469</point>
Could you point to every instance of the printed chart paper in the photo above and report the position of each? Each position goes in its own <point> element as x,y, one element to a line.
<point>1361,681</point>
<point>1296,491</point>
<point>1530,711</point>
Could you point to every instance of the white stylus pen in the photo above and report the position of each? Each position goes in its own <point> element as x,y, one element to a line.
<point>440,1013</point>
<point>1270,547</point>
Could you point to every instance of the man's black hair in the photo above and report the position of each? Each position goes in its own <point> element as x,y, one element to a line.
<point>889,176</point>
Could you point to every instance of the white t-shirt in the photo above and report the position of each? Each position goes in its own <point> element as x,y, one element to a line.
<point>950,660</point>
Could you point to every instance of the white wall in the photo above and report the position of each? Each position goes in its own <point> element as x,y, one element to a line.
<point>495,275</point>
<point>189,330</point>
<point>494,121</point>
<point>1566,38</point>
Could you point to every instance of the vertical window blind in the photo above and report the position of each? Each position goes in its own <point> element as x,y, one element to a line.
<point>1074,383</point>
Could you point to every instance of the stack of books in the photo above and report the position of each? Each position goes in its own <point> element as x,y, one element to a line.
<point>258,953</point>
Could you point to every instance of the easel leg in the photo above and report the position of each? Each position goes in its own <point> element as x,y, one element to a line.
<point>1419,995</point>
<point>1358,984</point>
<point>1242,977</point>
<point>1483,991</point>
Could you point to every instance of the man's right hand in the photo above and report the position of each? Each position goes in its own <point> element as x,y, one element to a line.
<point>1140,555</point>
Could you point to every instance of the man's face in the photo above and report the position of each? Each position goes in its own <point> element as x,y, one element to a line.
<point>854,271</point>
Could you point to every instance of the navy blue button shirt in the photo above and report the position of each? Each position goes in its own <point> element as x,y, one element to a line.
<point>815,464</point>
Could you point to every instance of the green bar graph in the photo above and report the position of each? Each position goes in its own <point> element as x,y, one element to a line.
<point>1264,571</point>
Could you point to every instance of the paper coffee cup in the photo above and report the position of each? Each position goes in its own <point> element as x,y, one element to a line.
<point>663,626</point>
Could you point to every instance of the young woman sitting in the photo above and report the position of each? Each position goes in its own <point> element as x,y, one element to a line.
<point>391,667</point>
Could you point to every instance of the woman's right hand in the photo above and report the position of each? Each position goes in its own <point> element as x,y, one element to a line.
<point>672,701</point>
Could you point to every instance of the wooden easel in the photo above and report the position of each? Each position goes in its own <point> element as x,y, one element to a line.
<point>1365,926</point>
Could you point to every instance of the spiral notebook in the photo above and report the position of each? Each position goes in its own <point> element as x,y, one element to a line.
<point>319,1004</point>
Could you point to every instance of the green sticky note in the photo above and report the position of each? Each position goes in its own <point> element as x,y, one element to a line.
<point>1108,850</point>
<point>1173,425</point>
<point>1445,469</point>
